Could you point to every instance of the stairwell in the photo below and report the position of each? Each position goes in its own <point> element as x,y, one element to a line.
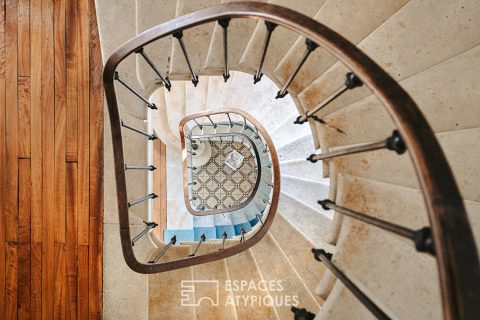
<point>430,47</point>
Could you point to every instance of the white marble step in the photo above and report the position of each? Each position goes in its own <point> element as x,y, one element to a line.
<point>239,33</point>
<point>353,20</point>
<point>301,168</point>
<point>377,259</point>
<point>217,93</point>
<point>307,192</point>
<point>300,148</point>
<point>216,272</point>
<point>275,266</point>
<point>196,39</point>
<point>436,103</point>
<point>287,132</point>
<point>308,220</point>
<point>178,216</point>
<point>150,13</point>
<point>281,41</point>
<point>386,166</point>
<point>298,251</point>
<point>405,32</point>
<point>243,267</point>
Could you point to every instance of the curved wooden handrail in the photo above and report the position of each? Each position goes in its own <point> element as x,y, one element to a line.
<point>457,257</point>
<point>185,174</point>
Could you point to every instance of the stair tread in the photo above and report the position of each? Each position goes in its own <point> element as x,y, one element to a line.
<point>298,251</point>
<point>275,267</point>
<point>403,32</point>
<point>348,18</point>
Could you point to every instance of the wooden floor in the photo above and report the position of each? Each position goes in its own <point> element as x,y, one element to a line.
<point>51,185</point>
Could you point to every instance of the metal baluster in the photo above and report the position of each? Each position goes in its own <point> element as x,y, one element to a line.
<point>230,120</point>
<point>142,199</point>
<point>213,123</point>
<point>150,225</point>
<point>165,80</point>
<point>266,201</point>
<point>224,23</point>
<point>179,36</point>
<point>259,218</point>
<point>270,185</point>
<point>173,240</point>
<point>242,235</point>
<point>422,237</point>
<point>191,153</point>
<point>270,27</point>
<point>149,136</point>
<point>198,124</point>
<point>325,257</point>
<point>192,183</point>
<point>302,314</point>
<point>351,82</point>
<point>193,168</point>
<point>394,142</point>
<point>126,85</point>
<point>311,46</point>
<point>202,239</point>
<point>149,168</point>
<point>224,238</point>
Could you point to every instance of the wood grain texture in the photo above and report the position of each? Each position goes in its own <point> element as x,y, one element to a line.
<point>51,159</point>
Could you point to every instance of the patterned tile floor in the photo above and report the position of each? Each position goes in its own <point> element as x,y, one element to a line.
<point>217,185</point>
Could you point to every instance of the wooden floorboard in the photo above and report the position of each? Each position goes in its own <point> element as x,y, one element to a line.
<point>51,159</point>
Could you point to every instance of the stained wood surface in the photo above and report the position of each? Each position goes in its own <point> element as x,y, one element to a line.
<point>51,160</point>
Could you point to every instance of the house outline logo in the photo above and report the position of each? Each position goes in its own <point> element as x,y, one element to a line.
<point>189,288</point>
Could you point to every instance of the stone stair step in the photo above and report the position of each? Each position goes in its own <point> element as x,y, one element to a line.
<point>301,168</point>
<point>298,251</point>
<point>239,33</point>
<point>387,166</point>
<point>307,192</point>
<point>217,93</point>
<point>244,273</point>
<point>313,225</point>
<point>377,259</point>
<point>196,97</point>
<point>217,273</point>
<point>196,39</point>
<point>403,32</point>
<point>150,13</point>
<point>297,149</point>
<point>287,132</point>
<point>353,20</point>
<point>435,102</point>
<point>160,122</point>
<point>164,288</point>
<point>275,267</point>
<point>281,41</point>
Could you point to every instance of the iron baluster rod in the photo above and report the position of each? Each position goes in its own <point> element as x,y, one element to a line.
<point>132,90</point>
<point>142,199</point>
<point>422,237</point>
<point>242,235</point>
<point>224,238</point>
<point>149,136</point>
<point>179,36</point>
<point>224,24</point>
<point>351,82</point>
<point>259,218</point>
<point>198,124</point>
<point>213,123</point>
<point>172,241</point>
<point>230,120</point>
<point>270,27</point>
<point>166,81</point>
<point>394,142</point>
<point>325,257</point>
<point>149,225</point>
<point>149,168</point>
<point>311,46</point>
<point>202,239</point>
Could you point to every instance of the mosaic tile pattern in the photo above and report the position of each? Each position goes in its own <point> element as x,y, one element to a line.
<point>217,185</point>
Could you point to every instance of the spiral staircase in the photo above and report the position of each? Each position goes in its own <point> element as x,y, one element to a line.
<point>314,107</point>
